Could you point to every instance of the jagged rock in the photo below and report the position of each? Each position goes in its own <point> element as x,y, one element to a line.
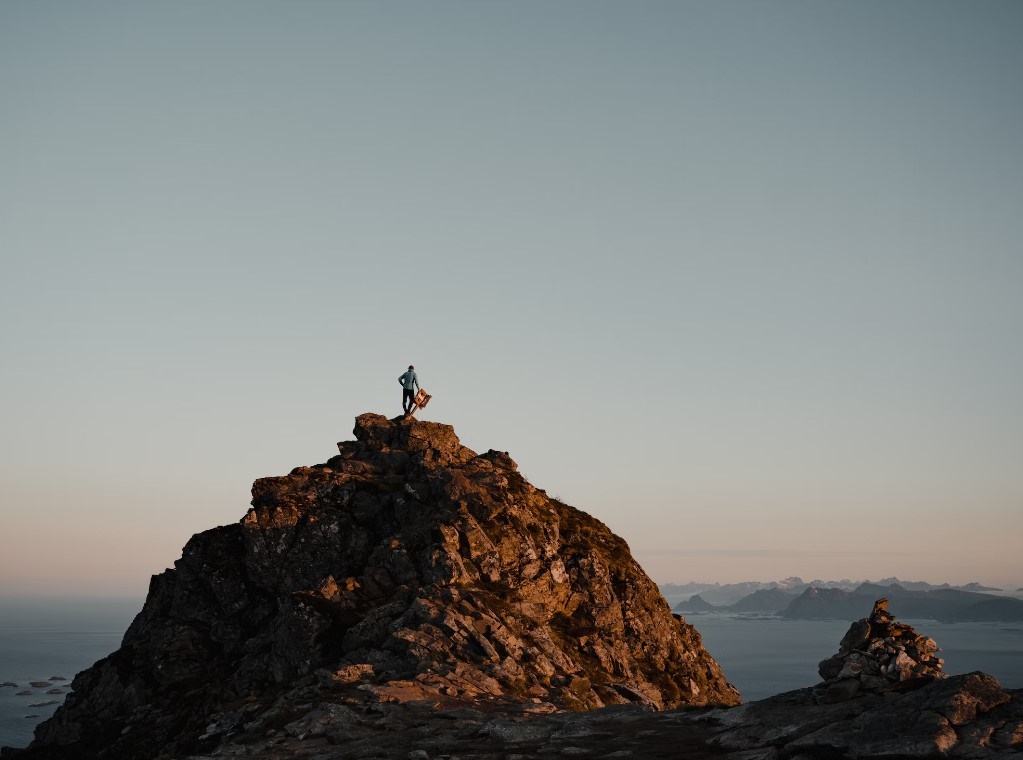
<point>406,569</point>
<point>879,654</point>
<point>329,720</point>
<point>417,731</point>
<point>410,598</point>
<point>963,716</point>
<point>883,696</point>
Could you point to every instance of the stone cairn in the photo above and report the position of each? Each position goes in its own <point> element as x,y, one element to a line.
<point>878,654</point>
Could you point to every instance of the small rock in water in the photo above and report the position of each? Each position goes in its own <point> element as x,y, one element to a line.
<point>55,691</point>
<point>44,704</point>
<point>24,694</point>
<point>8,683</point>
<point>31,716</point>
<point>57,678</point>
<point>39,684</point>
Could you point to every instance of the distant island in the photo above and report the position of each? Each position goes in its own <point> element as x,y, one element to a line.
<point>798,599</point>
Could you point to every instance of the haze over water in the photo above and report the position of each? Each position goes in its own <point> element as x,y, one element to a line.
<point>51,636</point>
<point>761,655</point>
<point>743,280</point>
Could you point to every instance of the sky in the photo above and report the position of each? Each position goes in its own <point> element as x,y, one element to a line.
<point>743,280</point>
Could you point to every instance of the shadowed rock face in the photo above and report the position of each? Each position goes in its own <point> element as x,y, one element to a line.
<point>968,716</point>
<point>408,567</point>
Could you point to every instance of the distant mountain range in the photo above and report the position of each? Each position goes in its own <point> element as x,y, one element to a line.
<point>724,594</point>
<point>792,598</point>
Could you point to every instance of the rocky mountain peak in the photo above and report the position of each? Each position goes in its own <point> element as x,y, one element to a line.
<point>430,442</point>
<point>407,568</point>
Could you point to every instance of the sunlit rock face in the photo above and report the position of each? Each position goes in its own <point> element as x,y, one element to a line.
<point>407,566</point>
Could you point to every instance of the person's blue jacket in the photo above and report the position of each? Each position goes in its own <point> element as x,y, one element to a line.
<point>409,381</point>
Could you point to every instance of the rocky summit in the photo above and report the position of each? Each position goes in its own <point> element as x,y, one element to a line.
<point>406,570</point>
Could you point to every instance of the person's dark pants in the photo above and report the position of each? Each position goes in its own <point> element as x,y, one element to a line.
<point>408,400</point>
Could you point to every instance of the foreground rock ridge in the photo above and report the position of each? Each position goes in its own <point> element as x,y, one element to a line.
<point>884,697</point>
<point>406,569</point>
<point>339,715</point>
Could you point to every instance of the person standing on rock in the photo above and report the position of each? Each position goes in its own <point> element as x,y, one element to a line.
<point>410,384</point>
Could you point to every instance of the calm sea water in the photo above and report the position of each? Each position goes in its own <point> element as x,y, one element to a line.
<point>765,655</point>
<point>44,637</point>
<point>761,655</point>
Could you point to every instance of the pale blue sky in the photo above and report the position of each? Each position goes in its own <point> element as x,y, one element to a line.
<point>742,279</point>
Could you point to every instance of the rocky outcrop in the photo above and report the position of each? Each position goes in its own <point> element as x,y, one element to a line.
<point>333,716</point>
<point>879,654</point>
<point>406,569</point>
<point>422,731</point>
<point>412,599</point>
<point>967,716</point>
<point>884,696</point>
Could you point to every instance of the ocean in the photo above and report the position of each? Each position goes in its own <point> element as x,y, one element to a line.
<point>765,655</point>
<point>762,655</point>
<point>42,638</point>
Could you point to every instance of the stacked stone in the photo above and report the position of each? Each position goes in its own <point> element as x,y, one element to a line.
<point>879,654</point>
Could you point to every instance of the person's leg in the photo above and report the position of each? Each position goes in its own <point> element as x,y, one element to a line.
<point>406,400</point>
